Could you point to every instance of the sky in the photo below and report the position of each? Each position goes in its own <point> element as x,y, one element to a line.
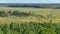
<point>29,1</point>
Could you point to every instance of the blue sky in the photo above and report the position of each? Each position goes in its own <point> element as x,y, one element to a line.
<point>29,1</point>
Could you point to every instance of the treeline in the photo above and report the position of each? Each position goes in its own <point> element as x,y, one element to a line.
<point>56,6</point>
<point>30,28</point>
<point>31,5</point>
<point>25,5</point>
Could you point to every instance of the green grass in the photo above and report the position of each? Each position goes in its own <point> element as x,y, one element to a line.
<point>29,21</point>
<point>30,28</point>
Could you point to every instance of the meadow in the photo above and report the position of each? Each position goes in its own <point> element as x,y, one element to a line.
<point>14,20</point>
<point>29,14</point>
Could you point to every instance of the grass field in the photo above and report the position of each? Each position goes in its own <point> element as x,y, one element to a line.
<point>39,15</point>
<point>29,20</point>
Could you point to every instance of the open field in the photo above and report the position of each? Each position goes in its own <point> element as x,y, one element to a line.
<point>29,20</point>
<point>38,15</point>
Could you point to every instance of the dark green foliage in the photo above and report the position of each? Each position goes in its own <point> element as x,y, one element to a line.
<point>14,14</point>
<point>11,13</point>
<point>4,28</point>
<point>33,5</point>
<point>17,13</point>
<point>30,28</point>
<point>3,14</point>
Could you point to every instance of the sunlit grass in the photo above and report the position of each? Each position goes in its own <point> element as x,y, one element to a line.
<point>36,11</point>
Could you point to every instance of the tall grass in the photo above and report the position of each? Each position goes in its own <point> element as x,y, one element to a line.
<point>9,14</point>
<point>30,28</point>
<point>31,19</point>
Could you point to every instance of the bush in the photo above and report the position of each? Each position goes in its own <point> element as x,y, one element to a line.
<point>17,13</point>
<point>3,14</point>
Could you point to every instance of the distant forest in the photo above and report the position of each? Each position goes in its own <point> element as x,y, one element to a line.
<point>32,5</point>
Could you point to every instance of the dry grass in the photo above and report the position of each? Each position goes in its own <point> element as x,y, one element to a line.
<point>37,11</point>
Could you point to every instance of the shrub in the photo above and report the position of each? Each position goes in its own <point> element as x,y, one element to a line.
<point>17,13</point>
<point>3,14</point>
